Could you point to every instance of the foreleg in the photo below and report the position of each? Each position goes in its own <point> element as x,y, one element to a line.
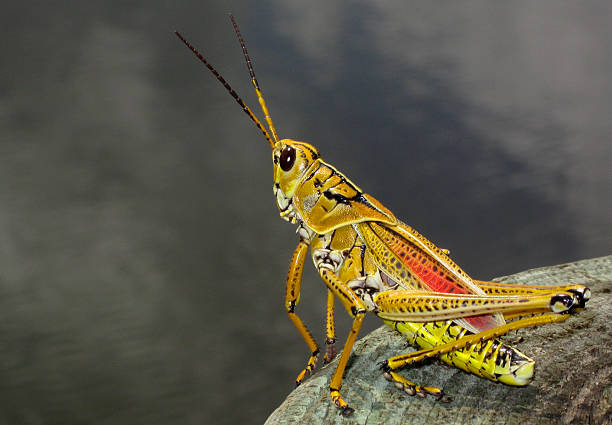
<point>292,298</point>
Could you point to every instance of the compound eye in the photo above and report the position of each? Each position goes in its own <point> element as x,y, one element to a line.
<point>287,158</point>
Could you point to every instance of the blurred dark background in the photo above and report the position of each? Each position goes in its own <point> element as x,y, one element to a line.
<point>142,260</point>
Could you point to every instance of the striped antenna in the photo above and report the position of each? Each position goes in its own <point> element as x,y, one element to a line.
<point>262,102</point>
<point>231,91</point>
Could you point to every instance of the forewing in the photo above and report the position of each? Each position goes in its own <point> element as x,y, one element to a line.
<point>408,258</point>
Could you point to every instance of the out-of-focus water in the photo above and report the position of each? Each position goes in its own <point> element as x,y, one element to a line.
<point>142,260</point>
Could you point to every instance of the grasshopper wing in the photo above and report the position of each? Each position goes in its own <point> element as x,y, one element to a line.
<point>407,258</point>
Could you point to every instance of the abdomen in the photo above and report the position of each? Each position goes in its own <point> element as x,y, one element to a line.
<point>489,359</point>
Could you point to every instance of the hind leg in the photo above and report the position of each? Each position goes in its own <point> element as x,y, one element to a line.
<point>411,388</point>
<point>581,292</point>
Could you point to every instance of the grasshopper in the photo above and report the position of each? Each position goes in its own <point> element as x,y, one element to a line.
<point>374,263</point>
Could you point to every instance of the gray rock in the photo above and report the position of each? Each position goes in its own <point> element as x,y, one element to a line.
<point>573,382</point>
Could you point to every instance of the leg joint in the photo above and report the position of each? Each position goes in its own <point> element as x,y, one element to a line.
<point>356,311</point>
<point>290,307</point>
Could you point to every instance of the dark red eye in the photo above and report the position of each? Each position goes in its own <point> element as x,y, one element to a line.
<point>287,158</point>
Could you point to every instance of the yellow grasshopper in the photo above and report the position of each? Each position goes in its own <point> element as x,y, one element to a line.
<point>372,262</point>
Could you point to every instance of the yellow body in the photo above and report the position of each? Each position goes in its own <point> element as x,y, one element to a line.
<point>360,265</point>
<point>373,262</point>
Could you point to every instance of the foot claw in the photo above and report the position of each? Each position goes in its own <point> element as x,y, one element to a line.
<point>346,411</point>
<point>309,369</point>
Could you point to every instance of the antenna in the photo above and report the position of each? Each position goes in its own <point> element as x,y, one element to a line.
<point>231,91</point>
<point>262,102</point>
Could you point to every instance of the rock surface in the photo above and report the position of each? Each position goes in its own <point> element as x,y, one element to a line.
<point>573,382</point>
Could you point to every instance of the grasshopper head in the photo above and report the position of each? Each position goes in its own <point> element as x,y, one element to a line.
<point>291,160</point>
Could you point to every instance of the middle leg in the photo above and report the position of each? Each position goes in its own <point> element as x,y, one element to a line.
<point>330,329</point>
